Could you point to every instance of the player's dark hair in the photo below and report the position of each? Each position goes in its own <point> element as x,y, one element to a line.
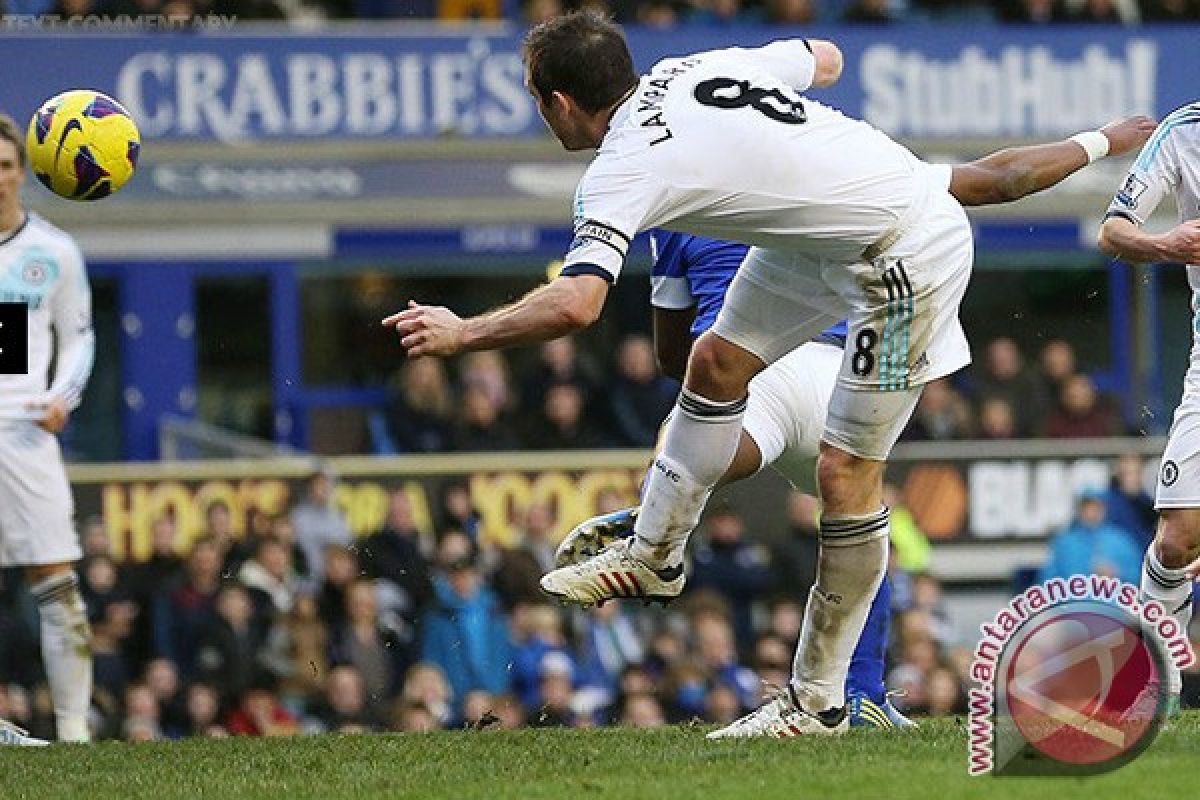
<point>582,54</point>
<point>11,133</point>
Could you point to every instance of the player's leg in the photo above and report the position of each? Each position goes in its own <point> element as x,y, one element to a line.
<point>592,535</point>
<point>66,646</point>
<point>866,693</point>
<point>1177,541</point>
<point>756,325</point>
<point>700,442</point>
<point>904,332</point>
<point>1165,579</point>
<point>788,403</point>
<point>773,305</point>
<point>10,734</point>
<point>36,515</point>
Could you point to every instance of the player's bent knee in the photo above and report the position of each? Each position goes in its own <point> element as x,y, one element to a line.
<point>720,370</point>
<point>848,483</point>
<point>1179,537</point>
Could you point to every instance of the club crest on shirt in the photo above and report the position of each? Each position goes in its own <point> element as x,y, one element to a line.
<point>1131,191</point>
<point>34,269</point>
<point>35,273</point>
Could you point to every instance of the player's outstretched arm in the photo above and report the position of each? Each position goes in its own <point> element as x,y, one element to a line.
<point>1121,238</point>
<point>564,305</point>
<point>1015,172</point>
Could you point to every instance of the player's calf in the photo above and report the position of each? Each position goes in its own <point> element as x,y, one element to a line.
<point>66,651</point>
<point>1165,577</point>
<point>852,564</point>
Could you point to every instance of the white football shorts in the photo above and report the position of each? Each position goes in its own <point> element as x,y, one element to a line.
<point>902,312</point>
<point>36,508</point>
<point>1179,473</point>
<point>785,415</point>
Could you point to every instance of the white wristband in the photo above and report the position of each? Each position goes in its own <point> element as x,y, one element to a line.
<point>1094,143</point>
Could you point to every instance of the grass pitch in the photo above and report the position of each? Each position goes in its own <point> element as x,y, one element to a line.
<point>671,763</point>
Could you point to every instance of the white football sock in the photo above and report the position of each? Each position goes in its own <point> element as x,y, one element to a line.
<point>700,442</point>
<point>1173,589</point>
<point>67,653</point>
<point>852,563</point>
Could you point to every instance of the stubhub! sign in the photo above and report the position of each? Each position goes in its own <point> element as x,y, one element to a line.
<point>910,81</point>
<point>1017,91</point>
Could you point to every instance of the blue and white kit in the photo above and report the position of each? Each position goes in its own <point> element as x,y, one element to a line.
<point>785,414</point>
<point>1170,164</point>
<point>843,224</point>
<point>41,267</point>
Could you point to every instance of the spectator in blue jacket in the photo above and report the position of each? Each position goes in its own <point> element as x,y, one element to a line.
<point>1092,545</point>
<point>543,635</point>
<point>1130,506</point>
<point>465,629</point>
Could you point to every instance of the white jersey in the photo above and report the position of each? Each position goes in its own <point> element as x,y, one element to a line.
<point>42,267</point>
<point>1169,163</point>
<point>721,144</point>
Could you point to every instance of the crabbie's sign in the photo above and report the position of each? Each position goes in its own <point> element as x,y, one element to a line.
<point>402,83</point>
<point>956,491</point>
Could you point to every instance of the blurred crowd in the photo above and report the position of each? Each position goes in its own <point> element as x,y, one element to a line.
<point>563,401</point>
<point>655,13</point>
<point>296,627</point>
<point>1005,396</point>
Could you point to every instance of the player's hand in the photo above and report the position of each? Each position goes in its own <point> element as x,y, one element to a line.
<point>1128,134</point>
<point>1182,243</point>
<point>54,414</point>
<point>427,330</point>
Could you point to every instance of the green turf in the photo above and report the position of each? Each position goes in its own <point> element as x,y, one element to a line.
<point>672,763</point>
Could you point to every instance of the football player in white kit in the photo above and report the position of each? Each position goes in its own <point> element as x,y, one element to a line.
<point>845,224</point>
<point>1169,163</point>
<point>41,267</point>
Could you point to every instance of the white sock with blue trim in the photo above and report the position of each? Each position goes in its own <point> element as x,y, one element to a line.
<point>66,653</point>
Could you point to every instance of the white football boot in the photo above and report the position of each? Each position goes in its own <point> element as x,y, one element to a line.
<point>12,735</point>
<point>781,717</point>
<point>613,572</point>
<point>591,536</point>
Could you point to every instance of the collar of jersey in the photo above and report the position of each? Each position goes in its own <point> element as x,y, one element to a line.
<point>620,107</point>
<point>19,228</point>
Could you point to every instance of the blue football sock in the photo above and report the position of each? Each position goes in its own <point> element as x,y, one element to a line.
<point>866,665</point>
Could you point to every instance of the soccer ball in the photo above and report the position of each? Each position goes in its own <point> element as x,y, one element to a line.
<point>83,145</point>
